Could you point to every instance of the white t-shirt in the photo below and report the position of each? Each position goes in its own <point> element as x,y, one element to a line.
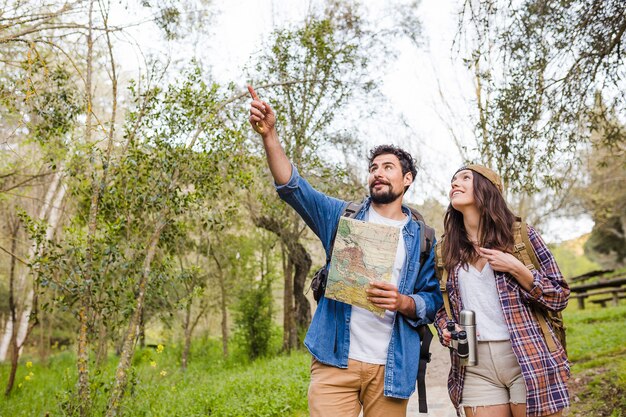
<point>369,333</point>
<point>479,293</point>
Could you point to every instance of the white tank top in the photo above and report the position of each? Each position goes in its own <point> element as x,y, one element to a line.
<point>479,293</point>
<point>369,333</point>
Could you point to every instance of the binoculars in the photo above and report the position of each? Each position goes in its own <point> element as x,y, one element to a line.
<point>464,341</point>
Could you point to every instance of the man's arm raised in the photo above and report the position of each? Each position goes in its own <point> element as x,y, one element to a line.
<point>263,121</point>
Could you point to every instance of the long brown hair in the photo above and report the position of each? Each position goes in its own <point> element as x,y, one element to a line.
<point>495,225</point>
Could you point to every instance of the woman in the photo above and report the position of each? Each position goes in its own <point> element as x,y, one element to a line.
<point>517,374</point>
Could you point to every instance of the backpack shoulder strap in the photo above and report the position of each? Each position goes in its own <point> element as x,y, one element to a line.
<point>524,251</point>
<point>442,275</point>
<point>427,235</point>
<point>350,210</point>
<point>426,336</point>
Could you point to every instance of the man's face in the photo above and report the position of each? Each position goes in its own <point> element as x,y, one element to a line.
<point>385,180</point>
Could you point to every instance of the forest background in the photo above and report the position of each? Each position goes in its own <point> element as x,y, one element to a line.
<point>138,215</point>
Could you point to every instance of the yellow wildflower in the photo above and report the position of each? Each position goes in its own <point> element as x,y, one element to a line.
<point>153,364</point>
<point>29,364</point>
<point>160,348</point>
<point>163,373</point>
<point>19,385</point>
<point>27,378</point>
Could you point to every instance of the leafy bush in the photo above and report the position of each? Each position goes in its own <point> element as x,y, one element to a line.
<point>253,319</point>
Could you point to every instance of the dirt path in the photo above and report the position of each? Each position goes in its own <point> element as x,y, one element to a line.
<point>439,404</point>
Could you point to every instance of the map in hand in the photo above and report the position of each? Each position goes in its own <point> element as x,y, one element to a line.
<point>363,252</point>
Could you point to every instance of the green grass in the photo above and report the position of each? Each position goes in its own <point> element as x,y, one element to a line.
<point>158,387</point>
<point>277,386</point>
<point>596,345</point>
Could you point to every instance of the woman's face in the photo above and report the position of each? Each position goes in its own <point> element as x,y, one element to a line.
<point>462,190</point>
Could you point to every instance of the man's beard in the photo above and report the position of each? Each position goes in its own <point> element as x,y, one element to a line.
<point>384,197</point>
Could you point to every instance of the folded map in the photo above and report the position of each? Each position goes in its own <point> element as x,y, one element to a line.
<point>363,252</point>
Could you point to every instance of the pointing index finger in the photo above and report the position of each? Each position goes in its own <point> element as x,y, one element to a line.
<point>253,93</point>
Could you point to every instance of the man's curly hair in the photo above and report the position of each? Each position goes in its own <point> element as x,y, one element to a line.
<point>406,160</point>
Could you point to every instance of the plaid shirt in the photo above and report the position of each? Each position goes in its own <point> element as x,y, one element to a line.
<point>545,373</point>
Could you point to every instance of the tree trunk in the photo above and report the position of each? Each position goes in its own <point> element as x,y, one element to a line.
<point>290,334</point>
<point>103,340</point>
<point>288,240</point>
<point>187,330</point>
<point>224,311</point>
<point>51,211</point>
<point>191,326</point>
<point>13,346</point>
<point>223,301</point>
<point>302,261</point>
<point>15,355</point>
<point>121,373</point>
<point>43,346</point>
<point>84,296</point>
<point>141,336</point>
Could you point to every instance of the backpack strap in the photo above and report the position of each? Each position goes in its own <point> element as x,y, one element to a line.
<point>318,282</point>
<point>426,336</point>
<point>442,275</point>
<point>350,210</point>
<point>427,235</point>
<point>524,251</point>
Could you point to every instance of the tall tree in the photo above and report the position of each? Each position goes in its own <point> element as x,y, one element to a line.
<point>312,72</point>
<point>315,77</point>
<point>603,194</point>
<point>538,66</point>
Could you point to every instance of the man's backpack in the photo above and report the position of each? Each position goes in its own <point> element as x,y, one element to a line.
<point>427,237</point>
<point>524,251</point>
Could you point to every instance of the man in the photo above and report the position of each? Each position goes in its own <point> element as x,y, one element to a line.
<point>359,359</point>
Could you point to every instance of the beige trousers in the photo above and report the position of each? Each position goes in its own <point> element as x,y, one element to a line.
<point>336,392</point>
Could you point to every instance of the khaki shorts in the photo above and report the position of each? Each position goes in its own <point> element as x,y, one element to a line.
<point>497,379</point>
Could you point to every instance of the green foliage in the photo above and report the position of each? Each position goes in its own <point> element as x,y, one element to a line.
<point>254,308</point>
<point>55,104</point>
<point>316,69</point>
<point>253,319</point>
<point>605,198</point>
<point>263,388</point>
<point>176,158</point>
<point>539,66</point>
<point>571,259</point>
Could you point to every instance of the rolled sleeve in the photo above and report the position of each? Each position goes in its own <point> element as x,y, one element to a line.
<point>291,185</point>
<point>420,311</point>
<point>536,290</point>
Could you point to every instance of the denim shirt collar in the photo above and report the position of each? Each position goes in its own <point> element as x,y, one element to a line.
<point>409,228</point>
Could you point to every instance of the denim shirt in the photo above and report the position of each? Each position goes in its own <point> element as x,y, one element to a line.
<point>328,337</point>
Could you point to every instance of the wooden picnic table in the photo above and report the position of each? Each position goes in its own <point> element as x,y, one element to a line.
<point>613,286</point>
